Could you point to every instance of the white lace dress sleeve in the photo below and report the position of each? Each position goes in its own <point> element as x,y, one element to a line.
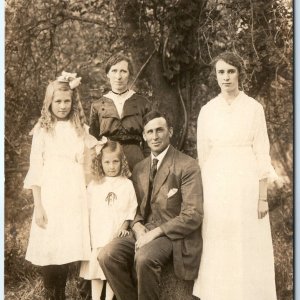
<point>35,172</point>
<point>261,146</point>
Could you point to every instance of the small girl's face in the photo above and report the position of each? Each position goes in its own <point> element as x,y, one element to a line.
<point>111,163</point>
<point>61,104</point>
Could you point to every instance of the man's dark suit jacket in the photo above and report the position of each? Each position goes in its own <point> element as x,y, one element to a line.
<point>177,204</point>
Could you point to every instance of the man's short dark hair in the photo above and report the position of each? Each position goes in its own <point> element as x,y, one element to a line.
<point>153,114</point>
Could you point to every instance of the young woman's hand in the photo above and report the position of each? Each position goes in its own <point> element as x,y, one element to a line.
<point>41,217</point>
<point>123,232</point>
<point>263,208</point>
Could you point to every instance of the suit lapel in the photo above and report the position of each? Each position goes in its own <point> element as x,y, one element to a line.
<point>144,178</point>
<point>163,171</point>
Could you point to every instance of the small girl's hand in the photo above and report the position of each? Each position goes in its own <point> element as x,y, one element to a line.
<point>123,232</point>
<point>41,217</point>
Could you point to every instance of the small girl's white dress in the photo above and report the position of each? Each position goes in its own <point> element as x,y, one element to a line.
<point>56,165</point>
<point>233,150</point>
<point>111,202</point>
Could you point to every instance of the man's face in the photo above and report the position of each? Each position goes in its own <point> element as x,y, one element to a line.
<point>157,135</point>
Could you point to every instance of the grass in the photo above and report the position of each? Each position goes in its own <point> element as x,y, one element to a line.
<point>22,280</point>
<point>32,289</point>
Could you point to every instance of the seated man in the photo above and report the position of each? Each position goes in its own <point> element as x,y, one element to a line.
<point>167,224</point>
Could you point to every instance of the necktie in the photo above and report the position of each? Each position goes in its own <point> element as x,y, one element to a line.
<point>153,171</point>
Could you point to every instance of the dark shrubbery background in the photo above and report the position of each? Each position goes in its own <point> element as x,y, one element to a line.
<point>172,43</point>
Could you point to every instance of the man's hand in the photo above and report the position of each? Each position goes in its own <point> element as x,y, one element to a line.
<point>148,237</point>
<point>139,230</point>
<point>41,217</point>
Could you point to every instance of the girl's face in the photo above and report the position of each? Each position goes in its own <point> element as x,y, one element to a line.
<point>111,163</point>
<point>61,104</point>
<point>118,76</point>
<point>227,77</point>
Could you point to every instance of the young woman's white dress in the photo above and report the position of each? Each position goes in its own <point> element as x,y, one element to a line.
<point>56,165</point>
<point>107,214</point>
<point>233,151</point>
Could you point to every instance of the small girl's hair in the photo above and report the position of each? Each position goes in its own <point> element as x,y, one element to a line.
<point>111,146</point>
<point>76,116</point>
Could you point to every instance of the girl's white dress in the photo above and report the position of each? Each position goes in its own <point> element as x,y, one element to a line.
<point>233,151</point>
<point>56,165</point>
<point>111,202</point>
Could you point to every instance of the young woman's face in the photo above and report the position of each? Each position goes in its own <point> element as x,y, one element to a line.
<point>118,76</point>
<point>61,104</point>
<point>111,163</point>
<point>227,77</point>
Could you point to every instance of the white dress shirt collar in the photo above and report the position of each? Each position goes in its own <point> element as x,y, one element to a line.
<point>160,156</point>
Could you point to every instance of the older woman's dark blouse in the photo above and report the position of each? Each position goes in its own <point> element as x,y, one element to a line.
<point>127,130</point>
<point>105,121</point>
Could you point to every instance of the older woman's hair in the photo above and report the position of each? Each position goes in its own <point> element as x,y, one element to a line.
<point>153,114</point>
<point>116,59</point>
<point>232,59</point>
<point>110,146</point>
<point>76,116</point>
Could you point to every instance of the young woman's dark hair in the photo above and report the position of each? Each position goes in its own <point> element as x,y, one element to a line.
<point>232,59</point>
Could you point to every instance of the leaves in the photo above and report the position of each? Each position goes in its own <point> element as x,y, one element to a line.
<point>45,37</point>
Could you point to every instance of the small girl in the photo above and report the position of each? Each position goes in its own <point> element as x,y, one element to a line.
<point>112,204</point>
<point>59,232</point>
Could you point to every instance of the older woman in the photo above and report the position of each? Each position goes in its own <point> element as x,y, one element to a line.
<point>233,151</point>
<point>118,114</point>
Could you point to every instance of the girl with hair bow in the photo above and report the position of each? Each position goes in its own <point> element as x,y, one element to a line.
<point>59,233</point>
<point>112,204</point>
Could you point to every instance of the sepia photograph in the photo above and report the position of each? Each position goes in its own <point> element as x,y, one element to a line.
<point>148,150</point>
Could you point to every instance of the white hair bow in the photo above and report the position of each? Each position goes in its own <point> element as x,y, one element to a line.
<point>100,144</point>
<point>92,142</point>
<point>70,78</point>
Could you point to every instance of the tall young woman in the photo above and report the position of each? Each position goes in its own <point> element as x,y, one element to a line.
<point>233,151</point>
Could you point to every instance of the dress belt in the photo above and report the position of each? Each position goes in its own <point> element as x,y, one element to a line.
<point>126,142</point>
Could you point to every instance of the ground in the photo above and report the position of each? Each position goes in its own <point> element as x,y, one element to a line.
<point>22,280</point>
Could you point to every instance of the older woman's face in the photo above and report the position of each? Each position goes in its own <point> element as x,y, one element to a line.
<point>227,77</point>
<point>118,76</point>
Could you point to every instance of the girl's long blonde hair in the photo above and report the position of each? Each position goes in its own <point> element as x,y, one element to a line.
<point>76,116</point>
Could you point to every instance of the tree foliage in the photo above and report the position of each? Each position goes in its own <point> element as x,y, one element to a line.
<point>45,37</point>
